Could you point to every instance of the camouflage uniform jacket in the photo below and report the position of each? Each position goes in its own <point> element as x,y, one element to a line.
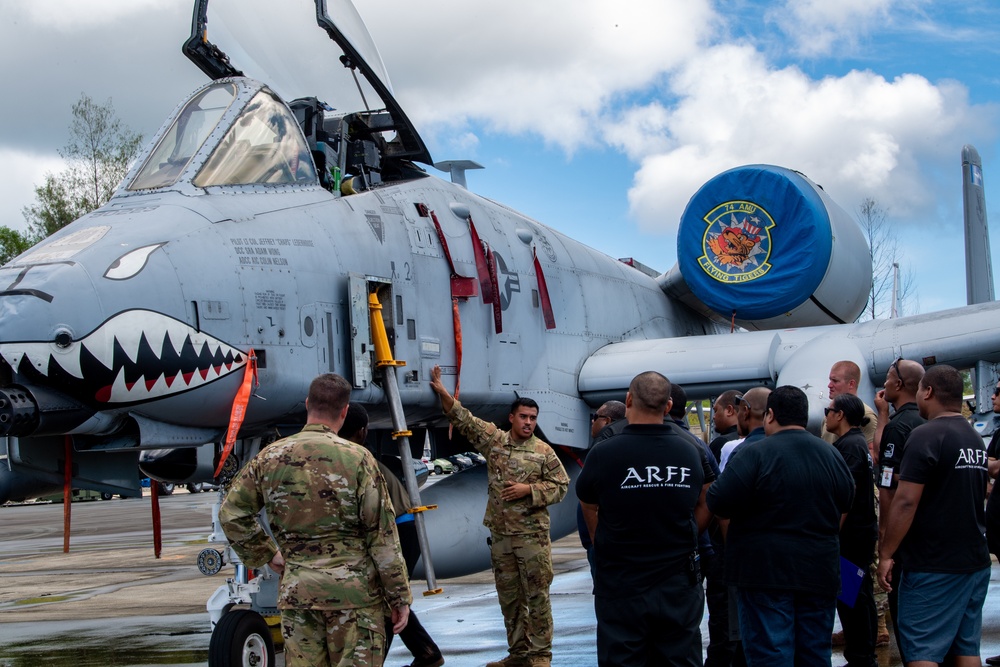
<point>531,462</point>
<point>330,514</point>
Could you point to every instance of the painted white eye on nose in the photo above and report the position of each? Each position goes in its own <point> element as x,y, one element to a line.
<point>131,263</point>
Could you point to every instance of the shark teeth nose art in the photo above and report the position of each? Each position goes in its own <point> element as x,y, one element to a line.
<point>135,356</point>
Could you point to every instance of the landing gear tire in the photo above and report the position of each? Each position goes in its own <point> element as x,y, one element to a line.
<point>166,488</point>
<point>241,639</point>
<point>106,496</point>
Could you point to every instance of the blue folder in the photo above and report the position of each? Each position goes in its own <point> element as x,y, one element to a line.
<point>850,582</point>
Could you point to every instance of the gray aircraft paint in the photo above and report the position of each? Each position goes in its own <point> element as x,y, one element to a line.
<point>128,331</point>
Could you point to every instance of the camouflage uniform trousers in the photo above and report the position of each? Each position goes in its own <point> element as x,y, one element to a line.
<point>522,567</point>
<point>334,638</point>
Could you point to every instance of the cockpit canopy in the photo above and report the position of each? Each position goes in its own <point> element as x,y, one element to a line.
<point>262,144</point>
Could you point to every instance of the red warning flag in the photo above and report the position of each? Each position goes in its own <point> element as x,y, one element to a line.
<point>239,408</point>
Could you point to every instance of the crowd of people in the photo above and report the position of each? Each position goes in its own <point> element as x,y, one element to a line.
<point>776,530</point>
<point>805,528</point>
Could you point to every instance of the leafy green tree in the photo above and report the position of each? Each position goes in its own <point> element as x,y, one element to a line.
<point>98,155</point>
<point>13,243</point>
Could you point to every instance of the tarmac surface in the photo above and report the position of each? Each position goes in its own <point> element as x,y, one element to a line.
<point>110,603</point>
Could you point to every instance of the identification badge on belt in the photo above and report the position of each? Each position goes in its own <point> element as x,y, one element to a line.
<point>886,480</point>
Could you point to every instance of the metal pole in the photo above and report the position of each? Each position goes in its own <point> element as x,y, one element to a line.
<point>384,360</point>
<point>894,310</point>
<point>399,424</point>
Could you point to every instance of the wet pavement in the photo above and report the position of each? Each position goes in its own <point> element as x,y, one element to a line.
<point>109,603</point>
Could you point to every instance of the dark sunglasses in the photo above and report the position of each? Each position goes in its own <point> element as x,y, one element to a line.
<point>827,411</point>
<point>594,417</point>
<point>899,376</point>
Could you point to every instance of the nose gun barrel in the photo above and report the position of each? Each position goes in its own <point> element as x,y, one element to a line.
<point>34,411</point>
<point>18,412</point>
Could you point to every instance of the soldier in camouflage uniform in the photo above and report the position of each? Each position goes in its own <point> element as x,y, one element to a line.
<point>335,542</point>
<point>525,476</point>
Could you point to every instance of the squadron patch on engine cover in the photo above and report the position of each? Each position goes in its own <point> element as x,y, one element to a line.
<point>737,242</point>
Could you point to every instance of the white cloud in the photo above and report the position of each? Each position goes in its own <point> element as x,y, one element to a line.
<point>463,143</point>
<point>543,67</point>
<point>71,16</point>
<point>820,27</point>
<point>640,131</point>
<point>22,172</point>
<point>857,135</point>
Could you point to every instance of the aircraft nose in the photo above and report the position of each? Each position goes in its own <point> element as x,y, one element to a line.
<point>44,307</point>
<point>33,293</point>
<point>47,304</point>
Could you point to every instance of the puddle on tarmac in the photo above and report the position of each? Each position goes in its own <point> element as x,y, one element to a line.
<point>14,656</point>
<point>83,650</point>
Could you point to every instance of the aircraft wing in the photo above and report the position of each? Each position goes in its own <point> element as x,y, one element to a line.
<point>708,365</point>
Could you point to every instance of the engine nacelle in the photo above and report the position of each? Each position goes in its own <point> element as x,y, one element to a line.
<point>766,247</point>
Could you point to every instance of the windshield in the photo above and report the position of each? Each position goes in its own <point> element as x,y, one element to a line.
<point>264,145</point>
<point>185,136</point>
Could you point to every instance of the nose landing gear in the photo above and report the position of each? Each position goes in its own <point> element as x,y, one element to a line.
<point>241,638</point>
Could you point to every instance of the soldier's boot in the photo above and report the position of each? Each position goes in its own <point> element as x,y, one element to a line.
<point>540,662</point>
<point>510,661</point>
<point>882,638</point>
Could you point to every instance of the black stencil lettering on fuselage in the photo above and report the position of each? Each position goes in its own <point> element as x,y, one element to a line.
<point>269,300</point>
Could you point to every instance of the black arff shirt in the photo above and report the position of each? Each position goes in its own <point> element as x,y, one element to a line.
<point>948,532</point>
<point>646,482</point>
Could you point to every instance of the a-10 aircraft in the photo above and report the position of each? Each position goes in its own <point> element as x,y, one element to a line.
<point>253,225</point>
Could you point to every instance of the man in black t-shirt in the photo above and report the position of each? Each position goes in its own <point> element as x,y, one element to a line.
<point>722,651</point>
<point>724,646</point>
<point>891,434</point>
<point>844,418</point>
<point>993,504</point>
<point>601,422</point>
<point>936,529</point>
<point>900,391</point>
<point>648,485</point>
<point>606,415</point>
<point>784,497</point>
<point>725,413</point>
<point>750,422</point>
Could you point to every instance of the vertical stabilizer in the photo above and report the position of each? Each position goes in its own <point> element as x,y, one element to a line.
<point>978,276</point>
<point>978,265</point>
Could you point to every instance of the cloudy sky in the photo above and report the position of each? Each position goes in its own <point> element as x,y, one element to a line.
<point>599,122</point>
